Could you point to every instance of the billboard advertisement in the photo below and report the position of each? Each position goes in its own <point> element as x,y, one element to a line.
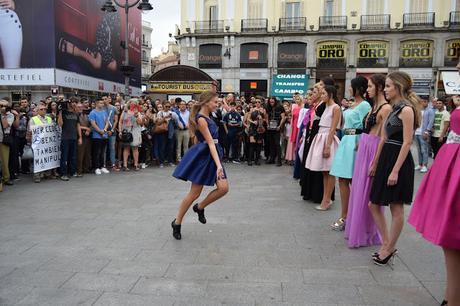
<point>373,54</point>
<point>70,43</point>
<point>88,41</point>
<point>331,54</point>
<point>27,34</point>
<point>416,53</point>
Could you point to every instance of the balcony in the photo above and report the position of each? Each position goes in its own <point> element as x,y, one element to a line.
<point>418,20</point>
<point>375,22</point>
<point>209,26</point>
<point>333,23</point>
<point>454,20</point>
<point>254,25</point>
<point>146,44</point>
<point>293,24</point>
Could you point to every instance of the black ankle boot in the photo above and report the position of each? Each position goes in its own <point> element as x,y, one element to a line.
<point>200,213</point>
<point>176,230</point>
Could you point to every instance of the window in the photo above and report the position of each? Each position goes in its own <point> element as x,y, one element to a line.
<point>255,9</point>
<point>211,10</point>
<point>144,55</point>
<point>143,39</point>
<point>375,7</point>
<point>457,5</point>
<point>419,6</point>
<point>210,56</point>
<point>254,55</point>
<point>293,10</point>
<point>332,8</point>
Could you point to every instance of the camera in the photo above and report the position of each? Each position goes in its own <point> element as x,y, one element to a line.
<point>62,104</point>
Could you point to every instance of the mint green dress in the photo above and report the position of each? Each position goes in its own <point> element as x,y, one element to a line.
<point>344,160</point>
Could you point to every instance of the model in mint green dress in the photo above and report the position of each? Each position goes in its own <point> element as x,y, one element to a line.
<point>344,160</point>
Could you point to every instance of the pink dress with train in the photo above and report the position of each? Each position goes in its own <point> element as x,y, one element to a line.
<point>436,209</point>
<point>290,151</point>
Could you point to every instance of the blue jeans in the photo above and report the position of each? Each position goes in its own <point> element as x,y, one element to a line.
<point>111,151</point>
<point>68,156</point>
<point>159,146</point>
<point>422,149</point>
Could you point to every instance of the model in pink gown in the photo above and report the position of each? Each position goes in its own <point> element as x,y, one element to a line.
<point>292,144</point>
<point>436,210</point>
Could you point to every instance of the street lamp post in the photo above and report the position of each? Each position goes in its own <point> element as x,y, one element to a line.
<point>110,8</point>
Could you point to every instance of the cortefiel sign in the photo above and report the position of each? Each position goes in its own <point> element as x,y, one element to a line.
<point>373,54</point>
<point>285,85</point>
<point>46,140</point>
<point>416,53</point>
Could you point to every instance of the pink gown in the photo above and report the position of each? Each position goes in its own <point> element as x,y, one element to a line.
<point>436,210</point>
<point>290,151</point>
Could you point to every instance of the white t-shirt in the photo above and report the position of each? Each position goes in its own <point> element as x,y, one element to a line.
<point>10,119</point>
<point>440,119</point>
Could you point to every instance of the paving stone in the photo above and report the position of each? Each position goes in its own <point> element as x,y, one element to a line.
<point>101,282</point>
<point>75,264</point>
<point>59,297</point>
<point>385,295</point>
<point>267,275</point>
<point>199,272</point>
<point>244,292</point>
<point>136,268</point>
<point>170,287</point>
<point>124,299</point>
<point>334,294</point>
<point>360,276</point>
<point>31,278</point>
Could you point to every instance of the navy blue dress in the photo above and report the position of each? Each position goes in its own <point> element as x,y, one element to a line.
<point>197,165</point>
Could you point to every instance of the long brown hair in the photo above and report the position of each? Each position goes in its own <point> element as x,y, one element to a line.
<point>205,97</point>
<point>403,82</point>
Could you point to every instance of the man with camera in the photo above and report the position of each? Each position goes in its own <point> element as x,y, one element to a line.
<point>71,133</point>
<point>84,150</point>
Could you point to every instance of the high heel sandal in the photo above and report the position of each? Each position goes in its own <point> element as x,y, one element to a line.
<point>389,260</point>
<point>338,225</point>
<point>200,213</point>
<point>176,230</point>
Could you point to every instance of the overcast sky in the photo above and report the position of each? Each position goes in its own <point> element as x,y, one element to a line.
<point>164,17</point>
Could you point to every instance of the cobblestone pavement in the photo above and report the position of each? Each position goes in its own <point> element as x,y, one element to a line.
<point>107,241</point>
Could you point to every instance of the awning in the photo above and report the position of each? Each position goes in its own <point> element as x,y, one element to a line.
<point>451,81</point>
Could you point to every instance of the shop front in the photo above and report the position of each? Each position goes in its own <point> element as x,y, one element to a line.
<point>180,81</point>
<point>292,58</point>
<point>416,59</point>
<point>331,61</point>
<point>254,69</point>
<point>446,75</point>
<point>372,57</point>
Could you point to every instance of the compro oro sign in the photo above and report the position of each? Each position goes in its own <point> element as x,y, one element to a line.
<point>451,80</point>
<point>285,85</point>
<point>452,52</point>
<point>416,53</point>
<point>331,54</point>
<point>373,54</point>
<point>173,87</point>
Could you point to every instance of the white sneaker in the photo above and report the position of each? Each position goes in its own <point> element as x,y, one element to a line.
<point>143,166</point>
<point>98,172</point>
<point>424,169</point>
<point>418,167</point>
<point>105,171</point>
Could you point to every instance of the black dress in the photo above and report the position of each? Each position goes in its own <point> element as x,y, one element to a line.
<point>402,192</point>
<point>312,181</point>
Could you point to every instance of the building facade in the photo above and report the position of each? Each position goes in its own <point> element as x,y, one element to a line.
<point>244,44</point>
<point>168,58</point>
<point>146,55</point>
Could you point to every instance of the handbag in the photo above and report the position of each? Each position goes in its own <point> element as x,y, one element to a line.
<point>126,136</point>
<point>7,139</point>
<point>27,153</point>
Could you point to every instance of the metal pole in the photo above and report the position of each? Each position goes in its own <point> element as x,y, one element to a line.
<point>127,48</point>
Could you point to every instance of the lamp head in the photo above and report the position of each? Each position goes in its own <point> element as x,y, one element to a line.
<point>109,7</point>
<point>145,6</point>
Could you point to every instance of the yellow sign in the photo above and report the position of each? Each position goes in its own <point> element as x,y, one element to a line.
<point>373,49</point>
<point>172,87</point>
<point>419,49</point>
<point>452,52</point>
<point>332,50</point>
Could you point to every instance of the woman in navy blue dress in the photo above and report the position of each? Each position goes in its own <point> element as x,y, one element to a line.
<point>201,164</point>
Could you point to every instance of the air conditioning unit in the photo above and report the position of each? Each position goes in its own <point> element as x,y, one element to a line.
<point>354,13</point>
